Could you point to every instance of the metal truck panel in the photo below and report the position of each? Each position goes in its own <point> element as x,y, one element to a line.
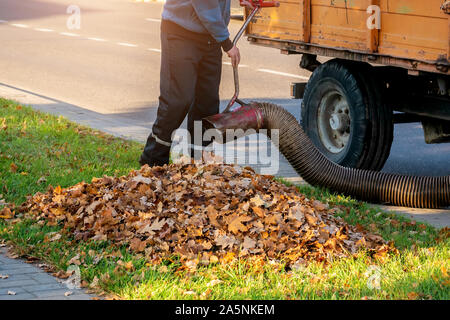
<point>413,33</point>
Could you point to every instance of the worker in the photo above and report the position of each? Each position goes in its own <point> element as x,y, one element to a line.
<point>193,35</point>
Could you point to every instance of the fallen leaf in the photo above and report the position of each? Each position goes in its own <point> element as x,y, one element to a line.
<point>395,223</point>
<point>257,201</point>
<point>142,179</point>
<point>13,168</point>
<point>319,205</point>
<point>212,215</point>
<point>129,266</point>
<point>75,260</point>
<point>412,296</point>
<point>94,282</point>
<point>213,259</point>
<point>163,269</point>
<point>225,241</point>
<point>214,282</point>
<point>55,237</point>
<point>6,213</point>
<point>189,293</point>
<point>228,258</point>
<point>57,211</point>
<point>296,212</point>
<point>259,211</point>
<point>206,294</point>
<point>249,243</point>
<point>57,190</point>
<point>444,272</point>
<point>158,224</point>
<point>4,125</point>
<point>137,245</point>
<point>311,219</point>
<point>236,224</point>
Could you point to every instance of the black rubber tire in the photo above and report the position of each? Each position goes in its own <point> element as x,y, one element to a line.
<point>380,124</point>
<point>372,134</point>
<point>337,75</point>
<point>367,160</point>
<point>386,119</point>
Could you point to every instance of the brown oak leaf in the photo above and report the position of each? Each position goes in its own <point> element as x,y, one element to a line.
<point>137,245</point>
<point>236,223</point>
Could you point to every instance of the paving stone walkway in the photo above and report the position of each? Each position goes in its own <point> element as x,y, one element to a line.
<point>23,281</point>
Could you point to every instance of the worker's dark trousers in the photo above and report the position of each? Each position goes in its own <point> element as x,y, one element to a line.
<point>190,79</point>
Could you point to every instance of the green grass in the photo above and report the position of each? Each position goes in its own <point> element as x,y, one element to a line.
<point>64,153</point>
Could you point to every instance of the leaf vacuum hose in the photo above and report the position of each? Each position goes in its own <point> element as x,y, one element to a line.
<point>317,170</point>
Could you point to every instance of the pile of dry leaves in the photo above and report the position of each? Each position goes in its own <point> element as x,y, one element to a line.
<point>204,213</point>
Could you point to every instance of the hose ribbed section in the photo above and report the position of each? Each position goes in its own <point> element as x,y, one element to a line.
<point>373,186</point>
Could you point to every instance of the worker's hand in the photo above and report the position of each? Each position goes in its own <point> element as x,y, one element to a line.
<point>235,56</point>
<point>247,3</point>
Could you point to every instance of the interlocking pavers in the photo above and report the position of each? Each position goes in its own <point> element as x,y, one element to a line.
<point>26,281</point>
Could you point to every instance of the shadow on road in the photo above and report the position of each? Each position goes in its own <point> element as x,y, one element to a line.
<point>12,10</point>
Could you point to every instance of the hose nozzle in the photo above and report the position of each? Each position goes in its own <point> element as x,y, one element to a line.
<point>244,118</point>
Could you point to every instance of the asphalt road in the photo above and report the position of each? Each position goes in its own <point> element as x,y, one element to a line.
<point>111,66</point>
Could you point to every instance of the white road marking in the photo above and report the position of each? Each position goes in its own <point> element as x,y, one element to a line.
<point>153,20</point>
<point>162,1</point>
<point>98,39</point>
<point>69,34</point>
<point>18,25</point>
<point>240,66</point>
<point>284,74</point>
<point>43,30</point>
<point>125,44</point>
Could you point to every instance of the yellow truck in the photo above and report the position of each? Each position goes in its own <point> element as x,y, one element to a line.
<point>388,62</point>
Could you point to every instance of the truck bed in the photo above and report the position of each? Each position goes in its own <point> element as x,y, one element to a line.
<point>414,34</point>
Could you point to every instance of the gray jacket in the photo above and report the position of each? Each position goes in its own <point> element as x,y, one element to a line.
<point>201,16</point>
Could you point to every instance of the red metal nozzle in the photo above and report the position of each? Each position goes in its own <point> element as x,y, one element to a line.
<point>266,4</point>
<point>261,3</point>
<point>245,117</point>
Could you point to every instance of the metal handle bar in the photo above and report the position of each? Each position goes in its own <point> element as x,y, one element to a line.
<point>258,4</point>
<point>235,68</point>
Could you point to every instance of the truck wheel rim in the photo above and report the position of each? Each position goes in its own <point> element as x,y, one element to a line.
<point>334,121</point>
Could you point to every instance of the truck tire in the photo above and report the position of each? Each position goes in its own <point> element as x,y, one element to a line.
<point>381,125</point>
<point>343,114</point>
<point>385,132</point>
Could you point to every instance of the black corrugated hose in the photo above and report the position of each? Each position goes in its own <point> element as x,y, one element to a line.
<point>373,186</point>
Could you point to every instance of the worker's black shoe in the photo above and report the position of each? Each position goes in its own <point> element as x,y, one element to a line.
<point>151,162</point>
<point>154,154</point>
